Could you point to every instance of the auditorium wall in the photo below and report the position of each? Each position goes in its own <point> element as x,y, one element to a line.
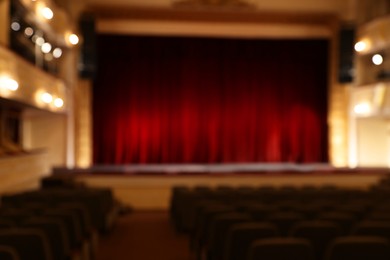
<point>46,131</point>
<point>67,138</point>
<point>44,127</point>
<point>23,172</point>
<point>4,21</point>
<point>373,142</point>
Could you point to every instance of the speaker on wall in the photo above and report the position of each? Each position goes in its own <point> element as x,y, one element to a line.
<point>346,55</point>
<point>87,62</point>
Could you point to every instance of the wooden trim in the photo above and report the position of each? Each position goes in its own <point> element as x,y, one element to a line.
<point>213,15</point>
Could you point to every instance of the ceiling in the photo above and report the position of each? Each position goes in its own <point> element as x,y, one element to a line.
<point>261,18</point>
<point>343,8</point>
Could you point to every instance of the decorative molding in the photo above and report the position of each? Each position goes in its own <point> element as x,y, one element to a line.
<point>212,15</point>
<point>213,4</point>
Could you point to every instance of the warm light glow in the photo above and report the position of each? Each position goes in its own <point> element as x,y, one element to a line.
<point>377,59</point>
<point>48,57</point>
<point>58,102</point>
<point>8,83</point>
<point>39,41</point>
<point>360,46</point>
<point>47,98</point>
<point>15,26</point>
<point>363,108</point>
<point>46,47</point>
<point>28,31</point>
<point>47,13</point>
<point>73,39</point>
<point>57,52</point>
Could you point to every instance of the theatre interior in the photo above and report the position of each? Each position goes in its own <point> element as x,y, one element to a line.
<point>194,129</point>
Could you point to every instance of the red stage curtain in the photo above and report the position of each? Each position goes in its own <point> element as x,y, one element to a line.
<point>204,100</point>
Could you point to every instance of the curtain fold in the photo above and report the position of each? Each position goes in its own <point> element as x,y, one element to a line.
<point>206,100</point>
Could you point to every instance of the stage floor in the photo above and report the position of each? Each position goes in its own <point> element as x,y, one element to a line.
<point>249,168</point>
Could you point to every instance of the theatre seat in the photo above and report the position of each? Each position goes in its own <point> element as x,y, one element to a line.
<point>281,248</point>
<point>284,220</point>
<point>359,248</point>
<point>320,233</point>
<point>241,236</point>
<point>219,229</point>
<point>343,219</point>
<point>30,244</point>
<point>8,253</point>
<point>205,221</point>
<point>55,232</point>
<point>372,228</point>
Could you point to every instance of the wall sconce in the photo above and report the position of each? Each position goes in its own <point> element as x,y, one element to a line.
<point>377,59</point>
<point>58,102</point>
<point>8,83</point>
<point>363,108</point>
<point>47,98</point>
<point>47,13</point>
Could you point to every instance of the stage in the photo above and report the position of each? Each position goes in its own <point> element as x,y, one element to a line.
<point>226,168</point>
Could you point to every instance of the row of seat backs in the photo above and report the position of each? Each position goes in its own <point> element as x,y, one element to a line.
<point>184,203</point>
<point>98,202</point>
<point>65,216</point>
<point>342,248</point>
<point>8,253</point>
<point>66,228</point>
<point>282,218</point>
<point>230,234</point>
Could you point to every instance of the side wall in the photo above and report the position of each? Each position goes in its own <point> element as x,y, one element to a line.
<point>23,172</point>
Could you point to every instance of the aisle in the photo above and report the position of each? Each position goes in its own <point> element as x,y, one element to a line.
<point>143,236</point>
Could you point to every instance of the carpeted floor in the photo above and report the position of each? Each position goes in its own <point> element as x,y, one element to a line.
<point>143,236</point>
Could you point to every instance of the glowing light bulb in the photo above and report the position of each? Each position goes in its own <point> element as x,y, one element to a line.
<point>47,13</point>
<point>360,46</point>
<point>57,52</point>
<point>8,83</point>
<point>362,108</point>
<point>39,41</point>
<point>377,59</point>
<point>28,31</point>
<point>46,47</point>
<point>15,26</point>
<point>73,39</point>
<point>47,98</point>
<point>58,102</point>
